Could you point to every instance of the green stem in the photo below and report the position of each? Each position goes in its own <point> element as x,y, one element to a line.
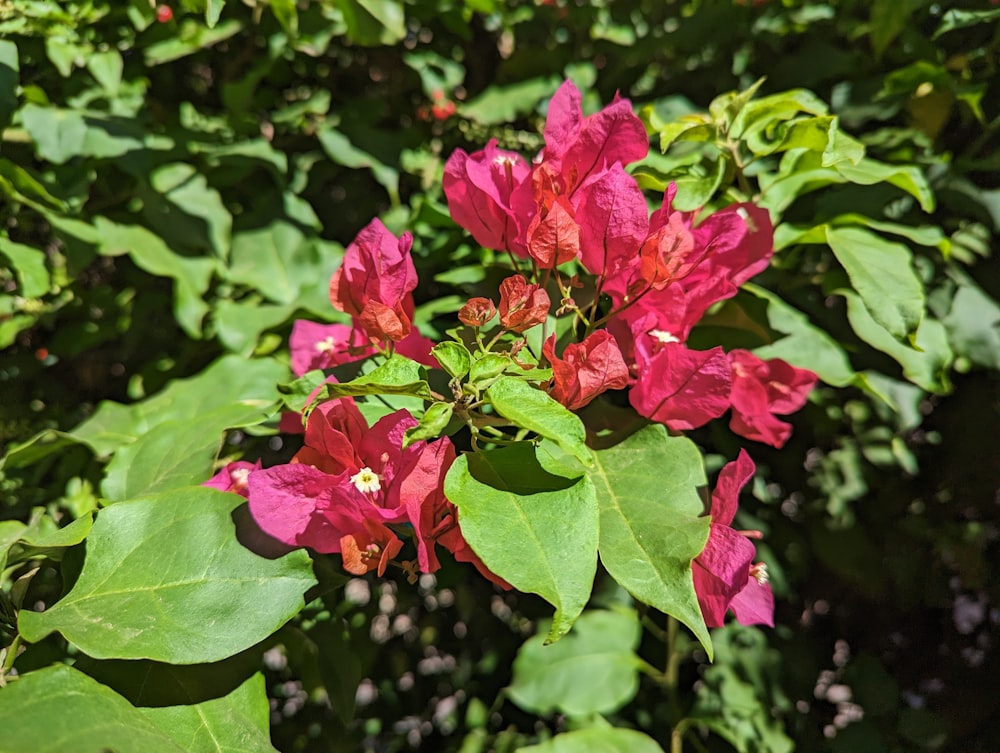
<point>8,660</point>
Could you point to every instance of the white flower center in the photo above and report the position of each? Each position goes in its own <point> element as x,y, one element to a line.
<point>759,572</point>
<point>663,336</point>
<point>325,346</point>
<point>366,481</point>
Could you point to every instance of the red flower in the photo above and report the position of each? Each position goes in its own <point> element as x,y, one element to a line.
<point>443,109</point>
<point>578,147</point>
<point>760,390</point>
<point>553,236</point>
<point>724,574</point>
<point>586,369</point>
<point>522,306</point>
<point>682,388</point>
<point>477,312</point>
<point>613,218</point>
<point>164,14</point>
<point>478,187</point>
<point>349,482</point>
<point>375,282</point>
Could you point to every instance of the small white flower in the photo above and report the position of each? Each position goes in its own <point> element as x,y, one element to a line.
<point>743,213</point>
<point>663,336</point>
<point>325,346</point>
<point>366,481</point>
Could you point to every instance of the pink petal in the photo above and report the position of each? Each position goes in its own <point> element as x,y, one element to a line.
<point>613,218</point>
<point>682,388</point>
<point>754,604</point>
<point>302,506</point>
<point>720,571</point>
<point>732,478</point>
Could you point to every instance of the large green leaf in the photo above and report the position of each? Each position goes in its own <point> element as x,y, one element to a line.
<point>533,409</point>
<point>165,578</point>
<point>280,261</point>
<point>186,211</point>
<point>61,710</point>
<point>593,670</point>
<point>536,530</point>
<point>926,364</point>
<point>340,149</point>
<point>908,178</point>
<point>804,345</point>
<point>174,453</point>
<point>191,275</point>
<point>504,104</point>
<point>597,740</point>
<point>651,524</point>
<point>881,272</point>
<point>229,380</point>
<point>235,723</point>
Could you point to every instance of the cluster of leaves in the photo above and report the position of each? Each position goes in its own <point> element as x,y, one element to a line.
<point>178,189</point>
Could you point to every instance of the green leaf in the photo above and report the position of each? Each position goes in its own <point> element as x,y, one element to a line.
<point>21,185</point>
<point>189,207</point>
<point>10,532</point>
<point>371,22</point>
<point>339,148</point>
<point>174,453</point>
<point>60,710</point>
<point>486,366</point>
<point>804,344</point>
<point>213,11</point>
<point>973,325</point>
<point>593,670</point>
<point>926,364</point>
<point>770,111</point>
<point>10,77</point>
<point>888,18</point>
<point>193,37</point>
<point>201,598</point>
<point>961,19</point>
<point>597,740</point>
<point>432,424</point>
<point>106,66</point>
<point>238,721</point>
<point>881,272</point>
<point>287,15</point>
<point>239,325</point>
<point>505,104</point>
<point>908,178</point>
<point>229,380</point>
<point>28,264</point>
<point>536,530</point>
<point>48,541</point>
<point>532,409</point>
<point>280,261</point>
<point>191,276</point>
<point>397,376</point>
<point>58,134</point>
<point>454,357</point>
<point>651,521</point>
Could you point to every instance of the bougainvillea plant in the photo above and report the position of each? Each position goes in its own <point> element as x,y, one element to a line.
<point>547,430</point>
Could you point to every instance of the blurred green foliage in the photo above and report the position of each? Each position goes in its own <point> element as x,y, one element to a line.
<point>177,190</point>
